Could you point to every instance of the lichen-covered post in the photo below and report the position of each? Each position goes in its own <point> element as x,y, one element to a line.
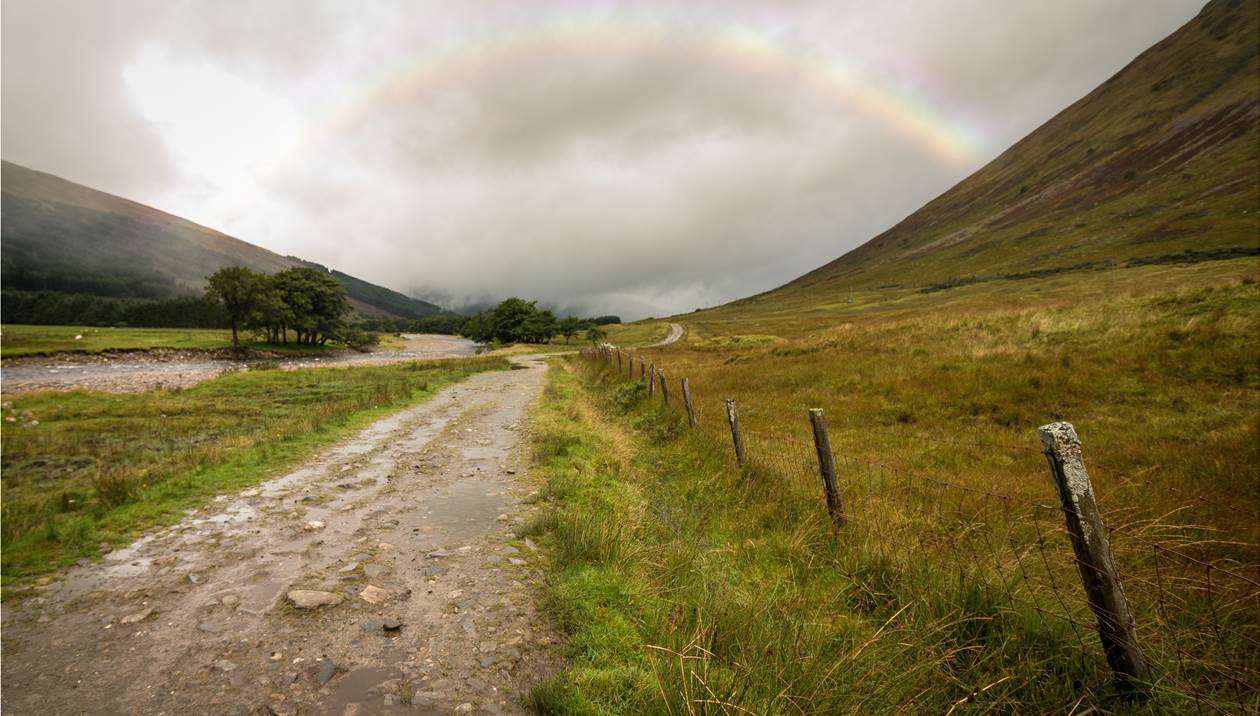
<point>651,379</point>
<point>664,387</point>
<point>827,466</point>
<point>691,411</point>
<point>1093,555</point>
<point>732,417</point>
<point>642,369</point>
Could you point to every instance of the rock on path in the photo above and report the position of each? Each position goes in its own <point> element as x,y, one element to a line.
<point>419,599</point>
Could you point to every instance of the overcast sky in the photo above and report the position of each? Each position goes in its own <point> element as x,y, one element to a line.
<point>642,158</point>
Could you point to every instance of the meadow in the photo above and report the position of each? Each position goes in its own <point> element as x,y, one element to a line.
<point>82,469</point>
<point>22,340</point>
<point>691,585</point>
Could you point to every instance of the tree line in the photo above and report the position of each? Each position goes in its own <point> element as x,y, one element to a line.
<point>514,320</point>
<point>302,302</point>
<point>57,308</point>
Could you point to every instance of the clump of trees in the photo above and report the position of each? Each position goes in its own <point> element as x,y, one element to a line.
<point>516,320</point>
<point>304,302</point>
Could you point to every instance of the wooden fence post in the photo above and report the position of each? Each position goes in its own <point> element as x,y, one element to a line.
<point>732,417</point>
<point>651,379</point>
<point>827,466</point>
<point>618,360</point>
<point>691,410</point>
<point>642,369</point>
<point>1093,555</point>
<point>664,387</point>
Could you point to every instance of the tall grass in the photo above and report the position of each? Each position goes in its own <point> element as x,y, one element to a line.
<point>954,538</point>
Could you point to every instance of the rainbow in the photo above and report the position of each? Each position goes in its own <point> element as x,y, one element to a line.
<point>739,46</point>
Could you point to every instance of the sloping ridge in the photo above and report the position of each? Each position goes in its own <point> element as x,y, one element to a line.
<point>62,236</point>
<point>1160,161</point>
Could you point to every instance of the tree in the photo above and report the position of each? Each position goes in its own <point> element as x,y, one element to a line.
<point>509,320</point>
<point>570,327</point>
<point>539,327</point>
<point>236,288</point>
<point>595,334</point>
<point>315,302</point>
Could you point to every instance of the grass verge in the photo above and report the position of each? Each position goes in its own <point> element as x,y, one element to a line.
<point>689,586</point>
<point>82,469</point>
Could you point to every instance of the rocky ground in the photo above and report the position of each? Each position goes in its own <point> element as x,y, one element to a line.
<point>136,371</point>
<point>383,576</point>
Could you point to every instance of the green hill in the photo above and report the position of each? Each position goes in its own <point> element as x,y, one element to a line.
<point>1159,164</point>
<point>65,237</point>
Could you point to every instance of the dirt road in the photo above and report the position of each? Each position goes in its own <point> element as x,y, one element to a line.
<point>140,371</point>
<point>675,333</point>
<point>408,527</point>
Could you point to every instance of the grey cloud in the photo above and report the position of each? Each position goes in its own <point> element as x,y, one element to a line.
<point>637,178</point>
<point>65,108</point>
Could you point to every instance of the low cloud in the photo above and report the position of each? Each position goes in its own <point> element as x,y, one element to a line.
<point>637,160</point>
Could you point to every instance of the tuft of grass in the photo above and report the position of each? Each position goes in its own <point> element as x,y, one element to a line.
<point>81,469</point>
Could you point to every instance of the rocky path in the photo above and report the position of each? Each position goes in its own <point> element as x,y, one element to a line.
<point>383,576</point>
<point>137,371</point>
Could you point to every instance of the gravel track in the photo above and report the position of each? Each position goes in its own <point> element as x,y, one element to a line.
<point>409,526</point>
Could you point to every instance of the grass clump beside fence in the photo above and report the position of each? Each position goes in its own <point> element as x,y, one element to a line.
<point>689,585</point>
<point>82,469</point>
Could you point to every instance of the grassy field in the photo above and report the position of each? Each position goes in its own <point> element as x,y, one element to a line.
<point>81,469</point>
<point>1157,368</point>
<point>933,400</point>
<point>21,340</point>
<point>688,585</point>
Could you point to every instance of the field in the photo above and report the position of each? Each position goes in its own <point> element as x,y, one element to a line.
<point>22,340</point>
<point>952,582</point>
<point>82,469</point>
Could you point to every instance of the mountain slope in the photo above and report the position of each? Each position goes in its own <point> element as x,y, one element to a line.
<point>62,236</point>
<point>1161,163</point>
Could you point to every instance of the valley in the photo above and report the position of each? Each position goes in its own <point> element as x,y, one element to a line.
<point>1001,457</point>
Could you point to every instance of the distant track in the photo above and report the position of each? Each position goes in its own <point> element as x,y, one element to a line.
<point>675,333</point>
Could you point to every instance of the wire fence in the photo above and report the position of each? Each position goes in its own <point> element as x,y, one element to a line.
<point>1003,538</point>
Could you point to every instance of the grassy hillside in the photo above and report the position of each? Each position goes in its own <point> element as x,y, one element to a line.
<point>61,236</point>
<point>1160,163</point>
<point>1119,291</point>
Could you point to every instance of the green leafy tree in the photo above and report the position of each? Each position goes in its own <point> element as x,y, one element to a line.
<point>509,320</point>
<point>569,327</point>
<point>316,305</point>
<point>540,327</point>
<point>595,334</point>
<point>236,288</point>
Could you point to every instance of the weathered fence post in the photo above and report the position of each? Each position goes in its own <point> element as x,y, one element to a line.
<point>619,366</point>
<point>664,387</point>
<point>1093,554</point>
<point>691,410</point>
<point>732,417</point>
<point>826,465</point>
<point>651,379</point>
<point>642,369</point>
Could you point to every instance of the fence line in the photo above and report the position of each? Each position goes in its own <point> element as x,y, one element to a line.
<point>1184,625</point>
